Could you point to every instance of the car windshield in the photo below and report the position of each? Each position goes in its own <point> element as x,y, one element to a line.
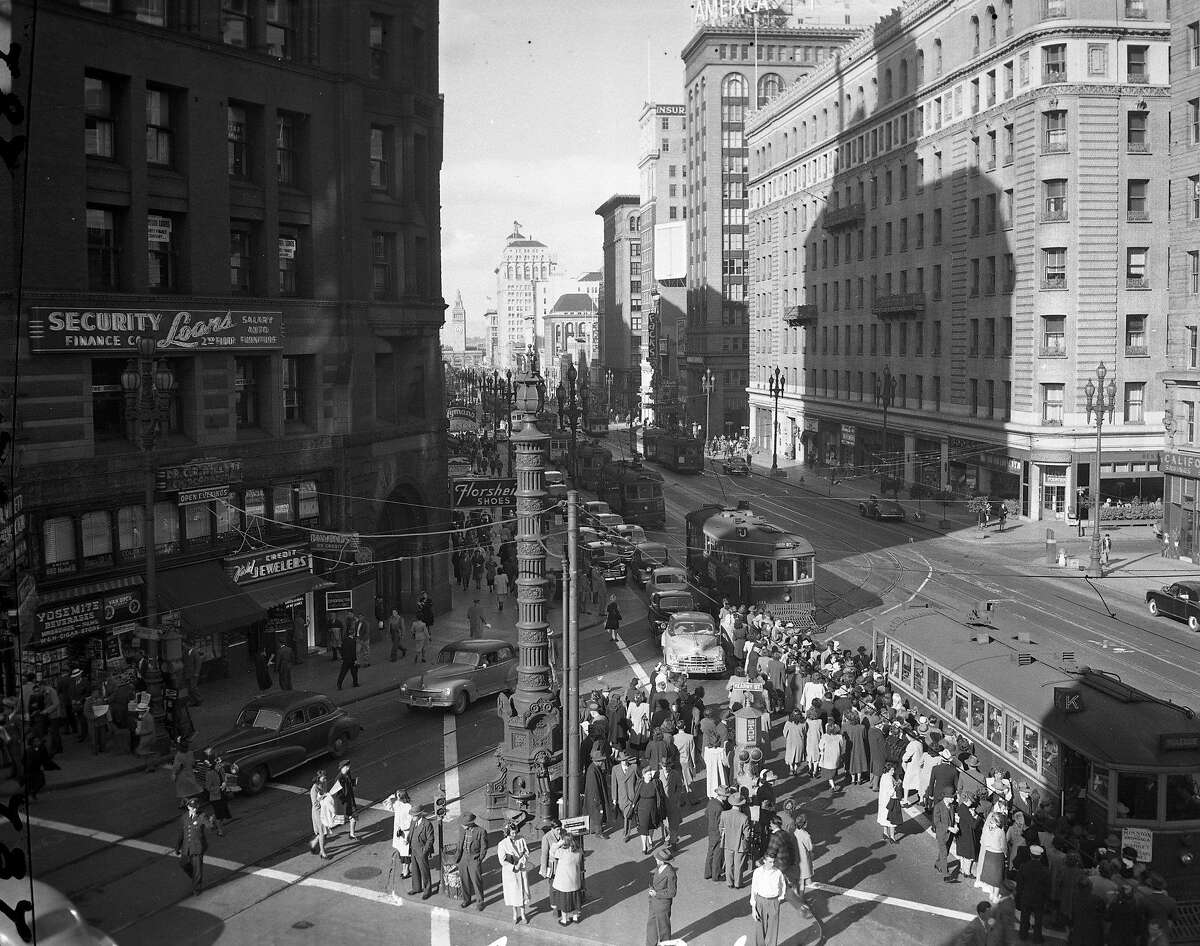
<point>668,579</point>
<point>256,718</point>
<point>676,602</point>
<point>690,628</point>
<point>462,658</point>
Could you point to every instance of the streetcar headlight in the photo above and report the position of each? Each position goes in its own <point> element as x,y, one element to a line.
<point>787,597</point>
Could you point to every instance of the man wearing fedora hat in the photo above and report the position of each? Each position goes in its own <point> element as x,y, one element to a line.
<point>624,787</point>
<point>664,884</point>
<point>472,849</point>
<point>714,862</point>
<point>945,825</point>
<point>943,775</point>
<point>420,852</point>
<point>1033,892</point>
<point>735,839</point>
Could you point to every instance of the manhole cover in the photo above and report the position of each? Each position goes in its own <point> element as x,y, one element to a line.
<point>302,925</point>
<point>362,873</point>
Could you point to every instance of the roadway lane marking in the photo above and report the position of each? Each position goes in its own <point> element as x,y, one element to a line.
<point>439,927</point>
<point>894,902</point>
<point>450,765</point>
<point>643,677</point>
<point>928,577</point>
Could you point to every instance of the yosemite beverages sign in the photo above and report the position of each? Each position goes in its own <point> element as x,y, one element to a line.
<point>71,330</point>
<point>478,491</point>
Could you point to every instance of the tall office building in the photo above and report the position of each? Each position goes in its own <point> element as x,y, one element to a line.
<point>524,262</point>
<point>620,317</point>
<point>732,65</point>
<point>253,188</point>
<point>953,224</point>
<point>546,296</point>
<point>454,332</point>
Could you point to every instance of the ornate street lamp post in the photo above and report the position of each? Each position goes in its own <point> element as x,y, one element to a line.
<point>775,385</point>
<point>148,383</point>
<point>568,414</point>
<point>608,393</point>
<point>885,396</point>
<point>532,745</point>
<point>1100,401</point>
<point>708,381</point>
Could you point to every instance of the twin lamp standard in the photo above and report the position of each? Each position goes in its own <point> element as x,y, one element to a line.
<point>708,382</point>
<point>776,382</point>
<point>1101,400</point>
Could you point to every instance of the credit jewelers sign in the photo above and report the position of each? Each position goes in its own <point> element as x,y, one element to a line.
<point>55,331</point>
<point>269,563</point>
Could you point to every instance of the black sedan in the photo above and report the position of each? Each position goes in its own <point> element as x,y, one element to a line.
<point>876,508</point>
<point>277,732</point>
<point>1180,601</point>
<point>662,605</point>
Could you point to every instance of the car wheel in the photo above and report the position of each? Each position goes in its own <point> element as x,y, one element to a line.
<point>461,702</point>
<point>1193,623</point>
<point>1153,607</point>
<point>256,779</point>
<point>339,745</point>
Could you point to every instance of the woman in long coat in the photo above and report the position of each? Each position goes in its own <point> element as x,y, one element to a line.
<point>966,844</point>
<point>649,807</point>
<point>316,794</point>
<point>914,753</point>
<point>813,728</point>
<point>804,851</point>
<point>685,745</point>
<point>859,763</point>
<point>513,854</point>
<point>347,804</point>
<point>830,754</point>
<point>673,795</point>
<point>182,773</point>
<point>889,787</point>
<point>793,741</point>
<point>639,723</point>
<point>992,846</point>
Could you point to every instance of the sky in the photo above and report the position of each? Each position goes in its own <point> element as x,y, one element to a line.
<point>542,99</point>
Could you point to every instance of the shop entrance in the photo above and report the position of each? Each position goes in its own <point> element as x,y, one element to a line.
<point>415,532</point>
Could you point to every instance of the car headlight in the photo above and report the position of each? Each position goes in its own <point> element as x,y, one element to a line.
<point>448,691</point>
<point>403,687</point>
<point>233,770</point>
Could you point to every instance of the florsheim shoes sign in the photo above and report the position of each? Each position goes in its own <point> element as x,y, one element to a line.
<point>473,491</point>
<point>54,331</point>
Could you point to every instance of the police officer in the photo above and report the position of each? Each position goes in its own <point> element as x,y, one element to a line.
<point>472,849</point>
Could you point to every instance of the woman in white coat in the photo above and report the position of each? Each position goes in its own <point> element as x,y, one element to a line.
<point>715,763</point>
<point>914,755</point>
<point>513,854</point>
<point>885,815</point>
<point>401,806</point>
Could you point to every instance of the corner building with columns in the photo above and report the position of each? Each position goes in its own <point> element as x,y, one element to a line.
<point>952,224</point>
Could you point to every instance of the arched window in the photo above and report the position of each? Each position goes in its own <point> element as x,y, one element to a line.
<point>733,99</point>
<point>1008,17</point>
<point>903,76</point>
<point>570,330</point>
<point>975,31</point>
<point>992,18</point>
<point>887,85</point>
<point>785,144</point>
<point>862,98</point>
<point>769,86</point>
<point>824,123</point>
<point>937,57</point>
<point>874,93</point>
<point>920,67</point>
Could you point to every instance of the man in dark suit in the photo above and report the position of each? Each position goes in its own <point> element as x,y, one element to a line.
<point>1033,892</point>
<point>943,775</point>
<point>192,844</point>
<point>349,660</point>
<point>975,932</point>
<point>420,845</point>
<point>714,863</point>
<point>625,778</point>
<point>1003,916</point>
<point>663,886</point>
<point>944,826</point>
<point>735,840</point>
<point>876,753</point>
<point>472,849</point>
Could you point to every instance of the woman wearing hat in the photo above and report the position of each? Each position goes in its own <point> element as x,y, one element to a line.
<point>966,844</point>
<point>814,726</point>
<point>992,846</point>
<point>612,618</point>
<point>650,805</point>
<point>639,723</point>
<point>856,734</point>
<point>829,755</point>
<point>316,798</point>
<point>793,741</point>
<point>567,885</point>
<point>513,854</point>
<point>343,788</point>
<point>890,815</point>
<point>182,773</point>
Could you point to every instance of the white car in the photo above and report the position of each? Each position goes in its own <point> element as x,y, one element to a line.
<point>632,534</point>
<point>594,507</point>
<point>555,478</point>
<point>691,644</point>
<point>608,522</point>
<point>668,578</point>
<point>57,920</point>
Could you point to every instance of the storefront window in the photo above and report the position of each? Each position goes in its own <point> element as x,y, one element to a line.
<point>129,531</point>
<point>935,682</point>
<point>1137,796</point>
<point>918,676</point>
<point>226,516</point>
<point>309,505</point>
<point>58,544</point>
<point>197,523</point>
<point>995,725</point>
<point>255,507</point>
<point>977,712</point>
<point>1050,761</point>
<point>1183,797</point>
<point>281,503</point>
<point>1012,736</point>
<point>906,668</point>
<point>166,527</point>
<point>97,538</point>
<point>947,694</point>
<point>1029,748</point>
<point>962,705</point>
<point>1098,783</point>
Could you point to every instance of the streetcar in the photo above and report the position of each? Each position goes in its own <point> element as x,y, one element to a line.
<point>1077,742</point>
<point>590,462</point>
<point>597,424</point>
<point>736,554</point>
<point>674,449</point>
<point>634,493</point>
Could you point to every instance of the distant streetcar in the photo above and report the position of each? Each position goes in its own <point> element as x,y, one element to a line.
<point>674,449</point>
<point>634,493</point>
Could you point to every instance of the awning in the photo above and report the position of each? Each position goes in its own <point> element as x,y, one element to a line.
<point>206,598</point>
<point>273,591</point>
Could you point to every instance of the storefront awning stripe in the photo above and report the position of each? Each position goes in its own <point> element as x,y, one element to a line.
<point>267,594</point>
<point>89,590</point>
<point>208,601</point>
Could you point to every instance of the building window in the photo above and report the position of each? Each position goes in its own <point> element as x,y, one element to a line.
<point>1052,404</point>
<point>1135,335</point>
<point>1194,272</point>
<point>383,265</point>
<point>1054,63</point>
<point>1190,420</point>
<point>108,400</point>
<point>295,368</point>
<point>1193,346</point>
<point>1055,268</point>
<point>287,156</point>
<point>377,34</point>
<point>289,261</point>
<point>1136,207</point>
<point>281,29</point>
<point>161,270</point>
<point>1135,394</point>
<point>95,530</point>
<point>103,249</point>
<point>974,396</point>
<point>1193,40</point>
<point>100,118</point>
<point>1193,121</point>
<point>248,382</point>
<point>380,166</point>
<point>159,121</point>
<point>241,250</point>
<point>1054,335</point>
<point>235,23</point>
<point>1054,123</point>
<point>1054,206</point>
<point>58,546</point>
<point>235,138</point>
<point>1136,62</point>
<point>1135,267</point>
<point>1137,137</point>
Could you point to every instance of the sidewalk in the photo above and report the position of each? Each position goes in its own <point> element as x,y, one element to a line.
<point>224,697</point>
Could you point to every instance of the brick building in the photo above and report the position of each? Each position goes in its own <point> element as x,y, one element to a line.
<point>619,344</point>
<point>255,187</point>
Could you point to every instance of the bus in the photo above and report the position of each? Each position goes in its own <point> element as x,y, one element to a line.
<point>634,493</point>
<point>1077,742</point>
<point>674,449</point>
<point>734,553</point>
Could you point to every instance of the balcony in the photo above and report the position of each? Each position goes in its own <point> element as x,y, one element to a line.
<point>1139,78</point>
<point>1052,351</point>
<point>1137,351</point>
<point>1137,282</point>
<point>846,216</point>
<point>1055,142</point>
<point>800,314</point>
<point>1055,216</point>
<point>1138,147</point>
<point>1055,73</point>
<point>1138,216</point>
<point>1054,281</point>
<point>899,305</point>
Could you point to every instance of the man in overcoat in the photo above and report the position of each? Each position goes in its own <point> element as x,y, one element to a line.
<point>663,886</point>
<point>735,840</point>
<point>472,849</point>
<point>625,778</point>
<point>420,850</point>
<point>192,843</point>
<point>714,862</point>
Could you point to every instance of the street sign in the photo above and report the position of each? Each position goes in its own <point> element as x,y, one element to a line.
<point>579,825</point>
<point>339,600</point>
<point>1141,840</point>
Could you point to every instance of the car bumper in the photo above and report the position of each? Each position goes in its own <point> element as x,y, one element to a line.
<point>425,700</point>
<point>696,665</point>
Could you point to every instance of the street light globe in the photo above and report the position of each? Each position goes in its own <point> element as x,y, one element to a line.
<point>164,378</point>
<point>527,399</point>
<point>131,379</point>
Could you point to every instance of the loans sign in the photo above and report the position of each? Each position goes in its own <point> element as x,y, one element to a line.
<point>55,331</point>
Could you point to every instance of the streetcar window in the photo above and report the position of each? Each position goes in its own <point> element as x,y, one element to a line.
<point>1098,782</point>
<point>977,712</point>
<point>1183,796</point>
<point>905,667</point>
<point>1137,796</point>
<point>1012,736</point>
<point>947,694</point>
<point>1029,748</point>
<point>995,725</point>
<point>763,570</point>
<point>785,570</point>
<point>919,675</point>
<point>935,682</point>
<point>894,661</point>
<point>804,568</point>
<point>1050,761</point>
<point>961,705</point>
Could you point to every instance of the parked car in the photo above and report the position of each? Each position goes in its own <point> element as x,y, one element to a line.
<point>647,557</point>
<point>735,466</point>
<point>876,508</point>
<point>668,578</point>
<point>607,557</point>
<point>1180,601</point>
<point>628,537</point>
<point>555,478</point>
<point>594,507</point>
<point>692,644</point>
<point>463,672</point>
<point>662,605</point>
<point>277,732</point>
<point>56,920</point>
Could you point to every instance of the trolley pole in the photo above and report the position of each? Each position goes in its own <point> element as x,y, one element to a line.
<point>571,662</point>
